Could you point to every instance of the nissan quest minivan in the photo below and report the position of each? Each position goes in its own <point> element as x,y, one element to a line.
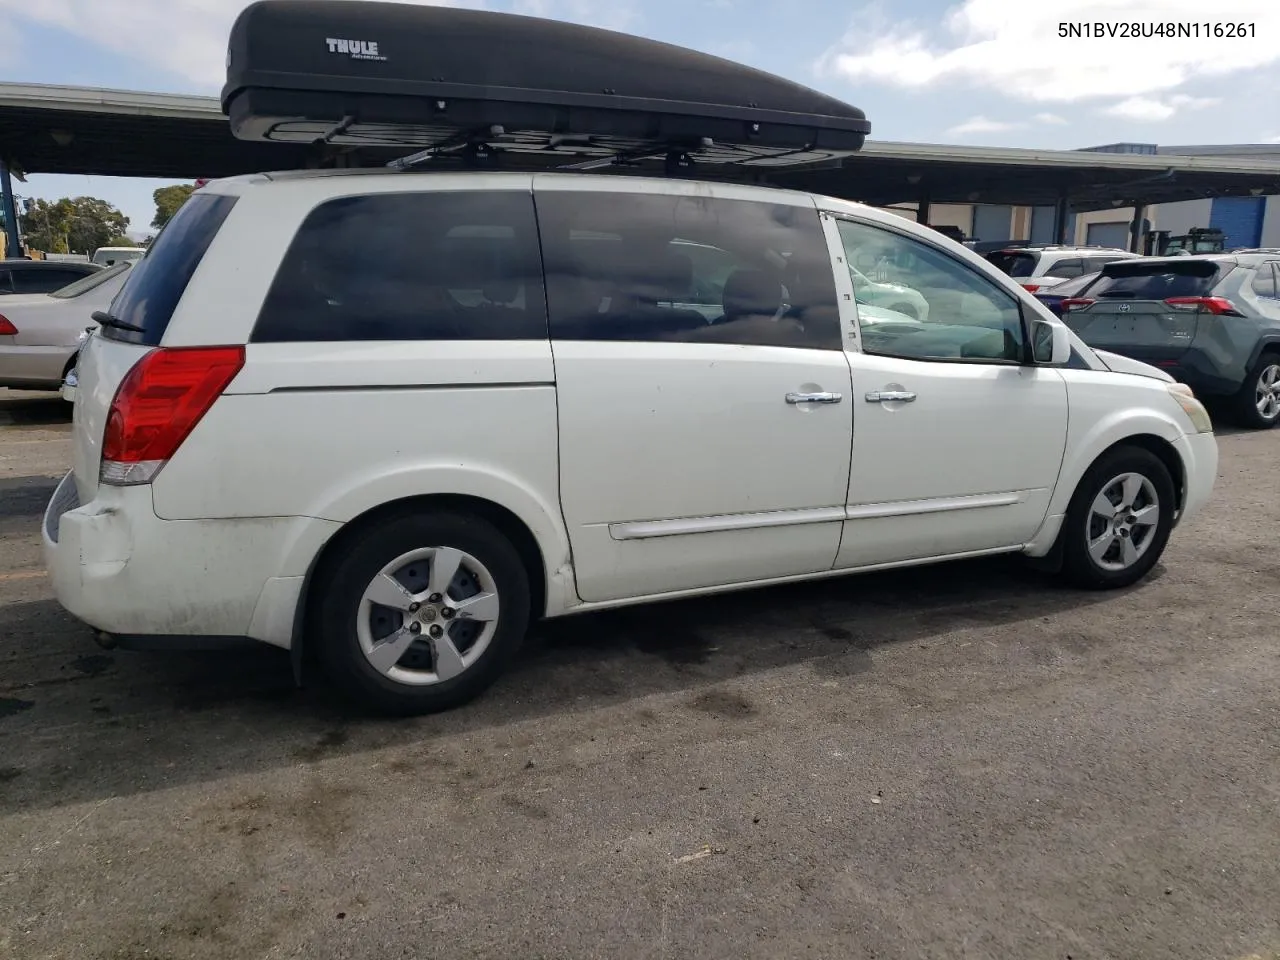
<point>392,417</point>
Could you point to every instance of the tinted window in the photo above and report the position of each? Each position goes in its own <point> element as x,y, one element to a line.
<point>44,281</point>
<point>1015,264</point>
<point>1264,281</point>
<point>1067,269</point>
<point>89,282</point>
<point>156,282</point>
<point>1097,263</point>
<point>969,317</point>
<point>641,267</point>
<point>1158,280</point>
<point>416,266</point>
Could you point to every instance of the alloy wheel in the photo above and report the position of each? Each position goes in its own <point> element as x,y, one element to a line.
<point>428,615</point>
<point>1122,521</point>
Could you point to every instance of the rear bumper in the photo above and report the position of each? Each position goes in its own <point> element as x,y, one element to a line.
<point>121,569</point>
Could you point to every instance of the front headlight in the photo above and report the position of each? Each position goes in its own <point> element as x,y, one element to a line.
<point>1194,408</point>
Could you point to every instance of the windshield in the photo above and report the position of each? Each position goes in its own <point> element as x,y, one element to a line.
<point>1016,263</point>
<point>86,284</point>
<point>1155,280</point>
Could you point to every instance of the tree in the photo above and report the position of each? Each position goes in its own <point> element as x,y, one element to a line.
<point>168,200</point>
<point>73,225</point>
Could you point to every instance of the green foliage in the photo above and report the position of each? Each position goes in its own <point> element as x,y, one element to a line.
<point>168,200</point>
<point>74,225</point>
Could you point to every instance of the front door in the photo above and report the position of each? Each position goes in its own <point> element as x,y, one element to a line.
<point>704,398</point>
<point>957,444</point>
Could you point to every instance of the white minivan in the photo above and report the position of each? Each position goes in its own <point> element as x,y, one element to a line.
<point>391,417</point>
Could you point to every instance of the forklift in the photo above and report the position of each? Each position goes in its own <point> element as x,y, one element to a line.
<point>1158,243</point>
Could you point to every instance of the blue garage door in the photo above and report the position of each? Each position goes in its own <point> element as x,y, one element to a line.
<point>992,222</point>
<point>1042,225</point>
<point>1239,218</point>
<point>1114,234</point>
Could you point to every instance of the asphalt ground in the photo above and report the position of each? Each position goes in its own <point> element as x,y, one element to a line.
<point>956,762</point>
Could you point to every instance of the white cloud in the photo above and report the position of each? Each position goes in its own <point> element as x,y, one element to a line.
<point>1016,50</point>
<point>1051,119</point>
<point>1153,110</point>
<point>1272,140</point>
<point>188,38</point>
<point>981,124</point>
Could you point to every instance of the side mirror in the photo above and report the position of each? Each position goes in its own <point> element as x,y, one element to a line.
<point>1050,343</point>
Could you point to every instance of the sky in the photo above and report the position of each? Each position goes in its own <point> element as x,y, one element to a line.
<point>991,72</point>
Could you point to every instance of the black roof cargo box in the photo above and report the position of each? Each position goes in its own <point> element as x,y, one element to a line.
<point>369,74</point>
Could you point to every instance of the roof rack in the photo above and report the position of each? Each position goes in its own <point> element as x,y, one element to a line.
<point>446,84</point>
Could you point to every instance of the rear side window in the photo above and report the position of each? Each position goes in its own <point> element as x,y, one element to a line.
<point>157,281</point>
<point>645,267</point>
<point>1067,269</point>
<point>43,281</point>
<point>1144,280</point>
<point>1264,281</point>
<point>411,266</point>
<point>1019,264</point>
<point>1097,263</point>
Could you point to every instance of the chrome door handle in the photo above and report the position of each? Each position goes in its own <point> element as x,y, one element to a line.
<point>890,396</point>
<point>814,397</point>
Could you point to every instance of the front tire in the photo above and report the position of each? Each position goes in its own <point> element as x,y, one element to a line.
<point>1119,520</point>
<point>1258,402</point>
<point>421,612</point>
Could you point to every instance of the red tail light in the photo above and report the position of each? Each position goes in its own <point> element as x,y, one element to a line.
<point>1218,306</point>
<point>158,404</point>
<point>1076,303</point>
<point>1031,287</point>
<point>7,329</point>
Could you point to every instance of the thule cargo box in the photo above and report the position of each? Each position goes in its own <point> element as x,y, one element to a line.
<point>439,79</point>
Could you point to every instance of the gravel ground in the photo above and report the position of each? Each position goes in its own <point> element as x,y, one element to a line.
<point>960,762</point>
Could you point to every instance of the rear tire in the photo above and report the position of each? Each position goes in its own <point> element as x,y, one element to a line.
<point>1257,405</point>
<point>421,612</point>
<point>1119,520</point>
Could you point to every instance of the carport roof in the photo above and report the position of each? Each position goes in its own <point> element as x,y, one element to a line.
<point>59,129</point>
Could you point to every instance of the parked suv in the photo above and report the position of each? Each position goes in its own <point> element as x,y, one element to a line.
<point>1213,322</point>
<point>394,416</point>
<point>1037,268</point>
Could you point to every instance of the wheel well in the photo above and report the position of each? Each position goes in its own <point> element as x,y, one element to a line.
<point>521,538</point>
<point>1165,452</point>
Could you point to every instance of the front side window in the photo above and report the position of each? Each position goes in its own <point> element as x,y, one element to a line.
<point>969,317</point>
<point>647,267</point>
<point>415,266</point>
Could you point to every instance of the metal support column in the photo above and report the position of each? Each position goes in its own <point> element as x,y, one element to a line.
<point>1136,228</point>
<point>922,210</point>
<point>13,248</point>
<point>1060,212</point>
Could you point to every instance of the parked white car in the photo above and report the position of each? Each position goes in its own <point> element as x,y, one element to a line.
<point>40,333</point>
<point>391,417</point>
<point>1042,267</point>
